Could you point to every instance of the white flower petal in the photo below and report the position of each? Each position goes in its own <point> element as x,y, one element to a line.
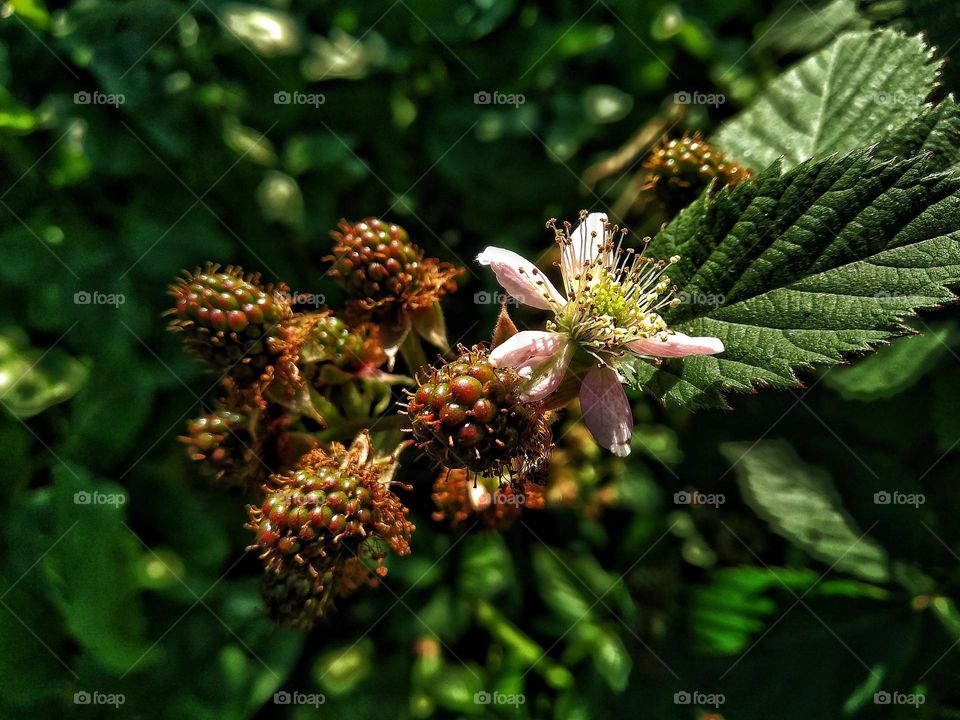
<point>676,345</point>
<point>547,375</point>
<point>522,279</point>
<point>586,240</point>
<point>606,410</point>
<point>523,346</point>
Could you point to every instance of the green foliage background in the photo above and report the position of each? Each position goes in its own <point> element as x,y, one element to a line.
<point>586,614</point>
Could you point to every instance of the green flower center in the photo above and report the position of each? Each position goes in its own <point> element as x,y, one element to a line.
<point>609,298</point>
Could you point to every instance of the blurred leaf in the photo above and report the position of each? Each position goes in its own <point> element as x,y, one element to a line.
<point>454,687</point>
<point>32,11</point>
<point>614,594</point>
<point>105,425</point>
<point>486,568</point>
<point>264,30</point>
<point>92,566</point>
<point>33,380</point>
<point>447,613</point>
<point>612,660</point>
<point>14,118</point>
<point>892,369</point>
<point>801,504</point>
<point>337,671</point>
<point>802,27</point>
<point>734,606</point>
<point>861,86</point>
<point>559,588</point>
<point>280,199</point>
<point>461,20</point>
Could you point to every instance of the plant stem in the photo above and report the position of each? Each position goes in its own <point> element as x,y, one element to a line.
<point>527,648</point>
<point>412,351</point>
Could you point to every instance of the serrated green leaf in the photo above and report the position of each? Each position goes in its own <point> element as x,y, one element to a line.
<point>858,88</point>
<point>801,504</point>
<point>809,266</point>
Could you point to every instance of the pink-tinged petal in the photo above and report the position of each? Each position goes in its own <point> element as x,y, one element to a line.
<point>676,345</point>
<point>521,278</point>
<point>606,410</point>
<point>520,348</point>
<point>546,376</point>
<point>586,240</point>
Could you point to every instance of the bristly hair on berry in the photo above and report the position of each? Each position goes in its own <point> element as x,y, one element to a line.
<point>337,506</point>
<point>469,414</point>
<point>236,325</point>
<point>681,168</point>
<point>384,272</point>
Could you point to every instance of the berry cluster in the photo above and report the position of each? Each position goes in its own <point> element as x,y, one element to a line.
<point>334,509</point>
<point>468,414</point>
<point>681,168</point>
<point>383,272</point>
<point>236,325</point>
<point>225,443</point>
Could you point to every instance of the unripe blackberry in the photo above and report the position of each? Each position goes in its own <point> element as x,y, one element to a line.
<point>331,340</point>
<point>297,600</point>
<point>292,600</point>
<point>468,414</point>
<point>382,271</point>
<point>465,502</point>
<point>334,506</point>
<point>226,448</point>
<point>231,321</point>
<point>681,168</point>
